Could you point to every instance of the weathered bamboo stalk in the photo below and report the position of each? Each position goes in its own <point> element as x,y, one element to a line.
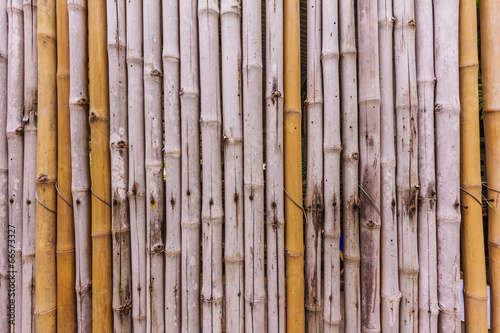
<point>137,178</point>
<point>120,223</point>
<point>427,251</point>
<point>389,288</point>
<point>447,113</point>
<point>350,157</point>
<point>275,219</point>
<point>152,30</point>
<point>29,172</point>
<point>332,147</point>
<point>102,316</point>
<point>172,166</point>
<point>190,157</point>
<point>65,242</point>
<point>407,165</point>
<point>253,176</point>
<point>314,190</point>
<point>80,164</point>
<point>490,53</point>
<point>369,160</point>
<point>15,88</point>
<point>210,124</point>
<point>45,241</point>
<point>475,293</point>
<point>4,180</point>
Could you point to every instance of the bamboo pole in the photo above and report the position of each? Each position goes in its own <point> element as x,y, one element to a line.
<point>314,190</point>
<point>45,241</point>
<point>15,93</point>
<point>137,178</point>
<point>332,147</point>
<point>172,166</point>
<point>407,157</point>
<point>475,295</point>
<point>230,20</point>
<point>253,176</point>
<point>29,172</point>
<point>369,160</point>
<point>65,242</point>
<point>120,223</point>
<point>99,136</point>
<point>80,164</point>
<point>350,157</point>
<point>447,113</point>
<point>155,213</point>
<point>490,52</point>
<point>210,124</point>
<point>190,159</point>
<point>275,219</point>
<point>4,180</point>
<point>389,289</point>
<point>294,246</point>
<point>427,250</point>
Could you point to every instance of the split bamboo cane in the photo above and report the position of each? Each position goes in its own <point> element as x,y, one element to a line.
<point>294,235</point>
<point>15,93</point>
<point>102,316</point>
<point>29,172</point>
<point>65,243</point>
<point>447,113</point>
<point>490,53</point>
<point>120,223</point>
<point>475,295</point>
<point>4,200</point>
<point>275,219</point>
<point>427,246</point>
<point>45,241</point>
<point>80,164</point>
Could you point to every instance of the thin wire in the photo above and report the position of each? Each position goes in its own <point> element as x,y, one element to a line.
<point>95,195</point>
<point>369,198</point>
<point>47,208</point>
<point>479,202</point>
<point>66,201</point>
<point>303,210</point>
<point>494,190</point>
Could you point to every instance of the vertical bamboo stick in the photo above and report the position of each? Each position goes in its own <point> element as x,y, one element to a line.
<point>29,172</point>
<point>15,88</point>
<point>475,295</point>
<point>490,53</point>
<point>314,190</point>
<point>65,243</point>
<point>275,219</point>
<point>99,136</point>
<point>427,251</point>
<point>253,176</point>
<point>172,166</point>
<point>350,157</point>
<point>4,200</point>
<point>447,113</point>
<point>332,147</point>
<point>154,166</point>
<point>294,246</point>
<point>120,223</point>
<point>190,157</point>
<point>45,241</point>
<point>210,124</point>
<point>230,19</point>
<point>407,157</point>
<point>369,160</point>
<point>80,164</point>
<point>137,177</point>
<point>389,289</point>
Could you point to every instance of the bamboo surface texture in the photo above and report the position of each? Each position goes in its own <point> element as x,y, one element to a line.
<point>45,241</point>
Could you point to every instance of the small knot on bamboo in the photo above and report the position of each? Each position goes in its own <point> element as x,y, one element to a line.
<point>411,23</point>
<point>93,115</point>
<point>121,144</point>
<point>236,197</point>
<point>181,91</point>
<point>158,248</point>
<point>20,130</point>
<point>172,201</point>
<point>82,101</point>
<point>155,72</point>
<point>276,94</point>
<point>42,178</point>
<point>84,289</point>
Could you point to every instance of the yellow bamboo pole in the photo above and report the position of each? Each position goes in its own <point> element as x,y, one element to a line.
<point>65,251</point>
<point>476,316</point>
<point>46,170</point>
<point>294,233</point>
<point>490,53</point>
<point>102,315</point>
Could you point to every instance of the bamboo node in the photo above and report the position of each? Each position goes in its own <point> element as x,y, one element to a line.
<point>493,244</point>
<point>289,253</point>
<point>100,234</point>
<point>333,322</point>
<point>39,313</point>
<point>19,130</point>
<point>479,298</point>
